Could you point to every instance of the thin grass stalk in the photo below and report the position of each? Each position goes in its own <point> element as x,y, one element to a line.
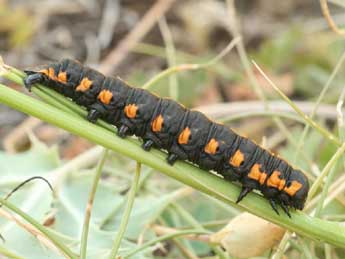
<point>193,222</point>
<point>171,57</point>
<point>307,119</point>
<point>331,163</point>
<point>9,254</point>
<point>85,232</point>
<point>125,218</point>
<point>163,238</point>
<point>62,247</point>
<point>318,101</point>
<point>184,67</point>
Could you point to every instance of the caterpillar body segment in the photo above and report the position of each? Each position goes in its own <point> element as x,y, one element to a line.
<point>185,134</point>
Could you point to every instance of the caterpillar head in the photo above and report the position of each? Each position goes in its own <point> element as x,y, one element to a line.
<point>296,190</point>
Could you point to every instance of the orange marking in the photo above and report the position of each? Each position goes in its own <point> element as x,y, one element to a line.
<point>84,85</point>
<point>275,182</point>
<point>62,77</point>
<point>183,138</point>
<point>105,96</point>
<point>51,73</point>
<point>44,71</point>
<point>257,175</point>
<point>211,147</point>
<point>294,187</point>
<point>157,123</point>
<point>237,159</point>
<point>131,110</point>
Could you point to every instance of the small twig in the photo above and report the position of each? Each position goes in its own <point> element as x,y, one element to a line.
<point>116,56</point>
<point>328,17</point>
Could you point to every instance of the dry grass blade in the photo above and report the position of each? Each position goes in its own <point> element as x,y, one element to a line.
<point>307,119</point>
<point>116,56</point>
<point>329,19</point>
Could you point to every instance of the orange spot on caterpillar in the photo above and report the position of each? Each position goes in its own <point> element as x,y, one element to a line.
<point>62,77</point>
<point>44,71</point>
<point>84,85</point>
<point>51,73</point>
<point>237,159</point>
<point>105,96</point>
<point>275,182</point>
<point>183,138</point>
<point>131,111</point>
<point>157,123</point>
<point>293,188</point>
<point>211,147</point>
<point>257,175</point>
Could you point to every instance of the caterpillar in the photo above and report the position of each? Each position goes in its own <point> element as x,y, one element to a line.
<point>185,134</point>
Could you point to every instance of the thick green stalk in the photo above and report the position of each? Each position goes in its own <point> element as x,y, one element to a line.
<point>314,228</point>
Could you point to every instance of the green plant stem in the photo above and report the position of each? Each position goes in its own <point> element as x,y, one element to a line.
<point>64,249</point>
<point>331,163</point>
<point>210,184</point>
<point>324,191</point>
<point>162,238</point>
<point>125,218</point>
<point>9,254</point>
<point>307,119</point>
<point>153,50</point>
<point>183,67</point>
<point>47,95</point>
<point>171,56</point>
<point>85,232</point>
<point>318,101</point>
<point>193,222</point>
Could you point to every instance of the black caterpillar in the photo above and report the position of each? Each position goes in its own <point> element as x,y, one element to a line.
<point>185,134</point>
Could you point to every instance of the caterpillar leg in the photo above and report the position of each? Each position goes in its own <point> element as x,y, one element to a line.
<point>32,79</point>
<point>123,130</point>
<point>147,144</point>
<point>243,193</point>
<point>274,205</point>
<point>172,158</point>
<point>93,115</point>
<point>285,209</point>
